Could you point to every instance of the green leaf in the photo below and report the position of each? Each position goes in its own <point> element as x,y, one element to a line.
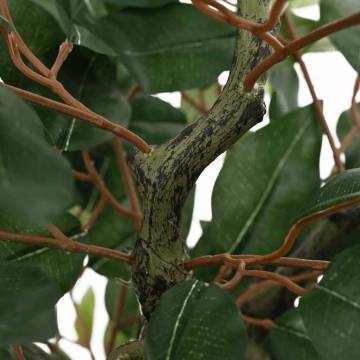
<point>331,312</point>
<point>27,304</point>
<point>168,48</point>
<point>289,336</point>
<point>90,78</point>
<point>195,321</point>
<point>139,3</point>
<point>339,190</point>
<point>285,88</point>
<point>352,153</point>
<point>36,183</point>
<point>155,120</point>
<point>85,318</point>
<point>347,41</point>
<point>256,211</point>
<point>62,267</point>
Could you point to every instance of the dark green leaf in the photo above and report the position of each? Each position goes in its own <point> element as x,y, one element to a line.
<point>289,336</point>
<point>27,304</point>
<point>195,321</point>
<point>155,120</point>
<point>261,186</point>
<point>347,41</point>
<point>352,153</point>
<point>339,190</point>
<point>168,48</point>
<point>285,88</point>
<point>36,183</point>
<point>331,312</point>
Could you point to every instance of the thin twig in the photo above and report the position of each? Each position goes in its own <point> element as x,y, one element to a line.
<point>298,44</point>
<point>317,104</point>
<point>18,352</point>
<point>129,183</point>
<point>71,246</point>
<point>255,289</point>
<point>263,323</point>
<point>191,101</point>
<point>96,213</point>
<point>117,317</point>
<point>99,183</point>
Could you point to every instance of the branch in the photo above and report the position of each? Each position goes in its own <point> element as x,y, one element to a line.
<point>18,352</point>
<point>167,174</point>
<point>68,245</point>
<point>317,104</point>
<point>298,44</point>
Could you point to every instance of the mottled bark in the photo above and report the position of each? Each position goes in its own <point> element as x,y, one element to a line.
<point>166,175</point>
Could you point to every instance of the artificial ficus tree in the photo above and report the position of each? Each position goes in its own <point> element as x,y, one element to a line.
<point>92,164</point>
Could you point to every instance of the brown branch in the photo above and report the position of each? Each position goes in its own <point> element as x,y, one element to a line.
<point>47,78</point>
<point>298,44</point>
<point>133,91</point>
<point>18,352</point>
<point>290,239</point>
<point>64,51</point>
<point>99,183</point>
<point>117,317</point>
<point>240,271</point>
<point>255,289</point>
<point>262,323</point>
<point>317,104</point>
<point>71,246</point>
<point>71,111</point>
<point>96,213</point>
<point>129,183</point>
<point>220,259</point>
<point>349,138</point>
<point>190,100</point>
<point>80,176</point>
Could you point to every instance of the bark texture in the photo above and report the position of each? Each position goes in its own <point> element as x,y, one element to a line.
<point>167,174</point>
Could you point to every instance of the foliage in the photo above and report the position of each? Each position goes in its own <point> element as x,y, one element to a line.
<point>64,181</point>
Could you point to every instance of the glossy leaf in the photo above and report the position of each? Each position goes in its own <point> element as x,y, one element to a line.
<point>85,317</point>
<point>256,211</point>
<point>168,48</point>
<point>289,336</point>
<point>27,304</point>
<point>347,41</point>
<point>62,267</point>
<point>285,88</point>
<point>38,185</point>
<point>339,190</point>
<point>331,312</point>
<point>193,321</point>
<point>352,153</point>
<point>155,120</point>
